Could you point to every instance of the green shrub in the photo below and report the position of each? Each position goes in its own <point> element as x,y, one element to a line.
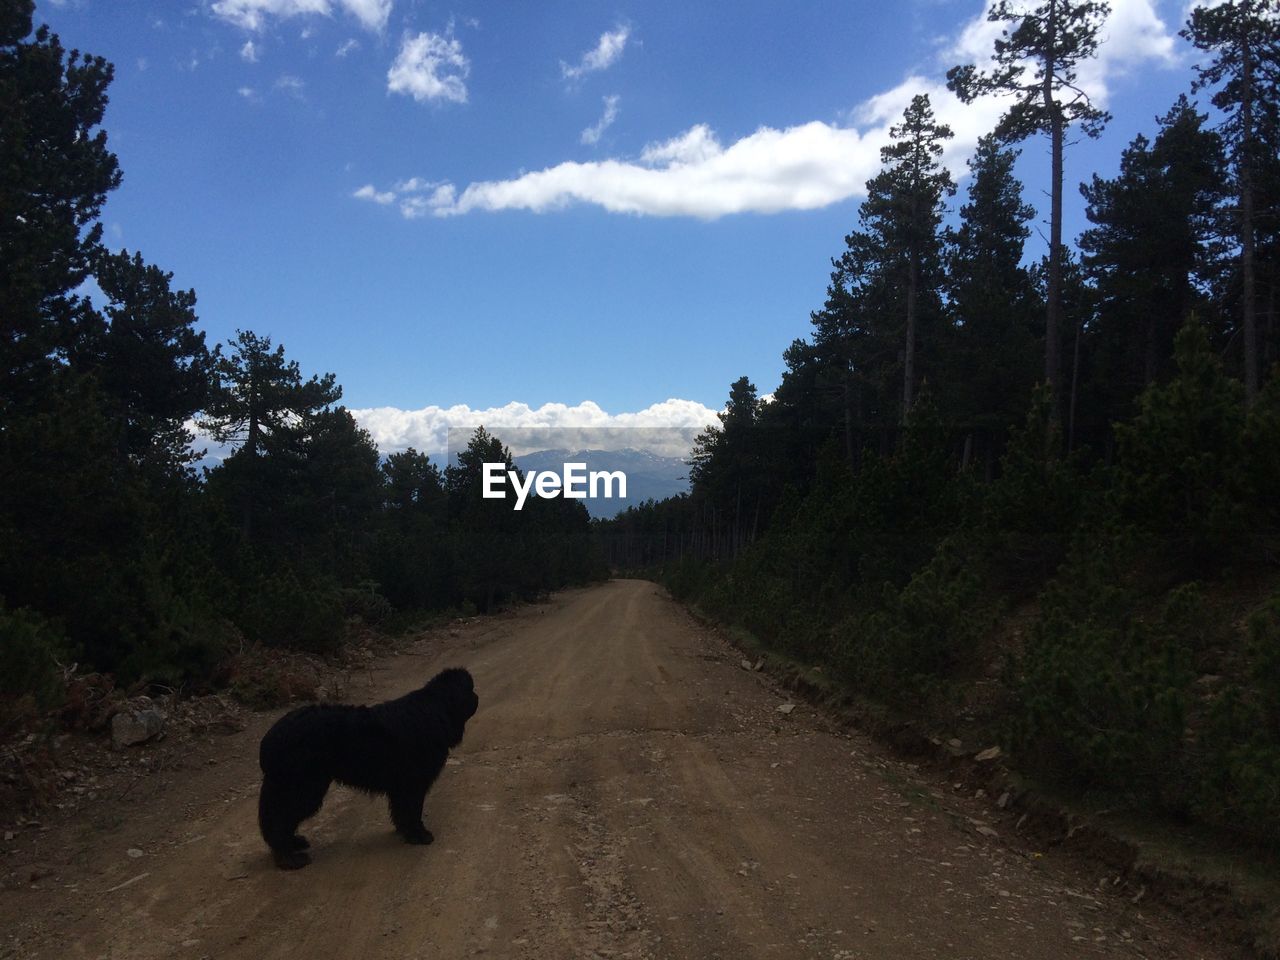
<point>1103,694</point>
<point>282,610</point>
<point>30,653</point>
<point>1182,475</point>
<point>366,602</point>
<point>1238,783</point>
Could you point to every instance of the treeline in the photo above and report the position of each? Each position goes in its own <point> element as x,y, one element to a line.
<point>114,553</point>
<point>1043,495</point>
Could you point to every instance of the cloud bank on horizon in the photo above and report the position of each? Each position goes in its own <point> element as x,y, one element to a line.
<point>802,167</point>
<point>665,429</point>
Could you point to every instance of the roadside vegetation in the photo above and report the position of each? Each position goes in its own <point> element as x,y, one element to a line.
<point>119,560</point>
<point>1036,496</point>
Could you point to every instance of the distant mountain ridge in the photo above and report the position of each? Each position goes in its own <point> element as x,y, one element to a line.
<point>649,476</point>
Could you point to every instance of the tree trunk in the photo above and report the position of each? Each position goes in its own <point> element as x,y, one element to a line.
<point>909,353</point>
<point>848,421</point>
<point>251,463</point>
<point>1053,295</point>
<point>1246,226</point>
<point>1149,350</point>
<point>1075,380</point>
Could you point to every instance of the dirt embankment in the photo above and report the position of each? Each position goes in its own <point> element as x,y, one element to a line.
<point>626,790</point>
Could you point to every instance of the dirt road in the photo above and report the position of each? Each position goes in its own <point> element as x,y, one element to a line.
<point>626,790</point>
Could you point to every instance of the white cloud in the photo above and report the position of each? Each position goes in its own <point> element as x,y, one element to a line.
<point>249,52</point>
<point>430,66</point>
<point>605,53</point>
<point>696,145</point>
<point>367,192</point>
<point>1133,35</point>
<point>248,93</point>
<point>253,14</point>
<point>414,207</point>
<point>417,185</point>
<point>347,47</point>
<point>802,167</point>
<point>372,13</point>
<point>291,85</point>
<point>591,136</point>
<point>665,428</point>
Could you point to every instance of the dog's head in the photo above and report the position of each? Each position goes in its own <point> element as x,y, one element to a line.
<point>458,691</point>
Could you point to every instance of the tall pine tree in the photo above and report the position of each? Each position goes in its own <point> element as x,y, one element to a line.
<point>1150,251</point>
<point>893,263</point>
<point>990,367</point>
<point>260,401</point>
<point>1244,38</point>
<point>1036,62</point>
<point>55,174</point>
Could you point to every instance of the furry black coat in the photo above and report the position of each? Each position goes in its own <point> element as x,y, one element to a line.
<point>396,748</point>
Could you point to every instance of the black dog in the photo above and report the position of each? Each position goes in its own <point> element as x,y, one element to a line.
<point>397,748</point>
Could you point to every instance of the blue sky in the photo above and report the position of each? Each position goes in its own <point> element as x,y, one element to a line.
<point>539,213</point>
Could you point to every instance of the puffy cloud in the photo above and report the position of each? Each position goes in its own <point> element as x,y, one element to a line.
<point>249,52</point>
<point>367,192</point>
<point>696,145</point>
<point>430,66</point>
<point>607,51</point>
<point>801,167</point>
<point>665,428</point>
<point>1133,34</point>
<point>372,13</point>
<point>253,14</point>
<point>591,135</point>
<point>347,47</point>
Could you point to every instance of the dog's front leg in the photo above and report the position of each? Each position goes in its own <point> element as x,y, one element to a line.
<point>406,813</point>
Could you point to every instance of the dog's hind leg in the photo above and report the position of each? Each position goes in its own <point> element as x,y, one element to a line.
<point>405,801</point>
<point>282,805</point>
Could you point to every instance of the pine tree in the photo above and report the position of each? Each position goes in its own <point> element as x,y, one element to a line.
<point>898,246</point>
<point>1036,62</point>
<point>1150,252</point>
<point>1244,36</point>
<point>55,173</point>
<point>990,367</point>
<point>414,483</point>
<point>261,402</point>
<point>148,359</point>
<point>725,467</point>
